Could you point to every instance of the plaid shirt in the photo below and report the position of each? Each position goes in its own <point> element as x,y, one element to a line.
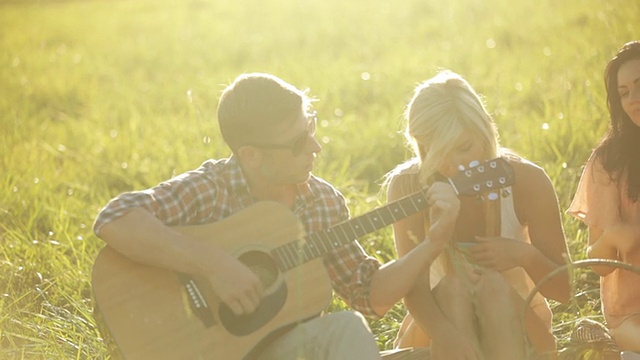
<point>218,189</point>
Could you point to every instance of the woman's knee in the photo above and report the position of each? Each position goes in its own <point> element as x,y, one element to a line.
<point>452,288</point>
<point>493,288</point>
<point>455,298</point>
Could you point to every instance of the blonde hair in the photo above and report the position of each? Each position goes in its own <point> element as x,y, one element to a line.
<point>441,110</point>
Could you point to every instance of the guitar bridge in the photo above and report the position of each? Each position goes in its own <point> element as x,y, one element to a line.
<point>197,302</point>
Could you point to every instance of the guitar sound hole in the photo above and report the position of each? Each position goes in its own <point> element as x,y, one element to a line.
<point>272,301</point>
<point>262,265</point>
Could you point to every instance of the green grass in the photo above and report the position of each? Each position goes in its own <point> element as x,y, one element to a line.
<point>100,97</point>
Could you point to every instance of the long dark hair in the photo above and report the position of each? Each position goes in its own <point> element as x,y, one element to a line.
<point>619,151</point>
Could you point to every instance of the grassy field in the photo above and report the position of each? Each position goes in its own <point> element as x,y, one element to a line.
<point>100,97</point>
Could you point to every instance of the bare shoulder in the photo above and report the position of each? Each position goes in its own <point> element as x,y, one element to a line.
<point>533,192</point>
<point>527,174</point>
<point>403,181</point>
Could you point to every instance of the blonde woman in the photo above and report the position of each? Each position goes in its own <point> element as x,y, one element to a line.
<point>469,302</point>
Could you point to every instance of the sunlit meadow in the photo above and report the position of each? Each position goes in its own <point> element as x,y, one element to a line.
<point>100,97</point>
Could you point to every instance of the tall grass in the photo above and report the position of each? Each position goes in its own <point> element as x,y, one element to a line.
<point>100,97</point>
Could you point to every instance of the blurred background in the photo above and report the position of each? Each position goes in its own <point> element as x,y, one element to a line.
<point>100,97</point>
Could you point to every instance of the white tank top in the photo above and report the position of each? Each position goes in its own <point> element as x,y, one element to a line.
<point>516,277</point>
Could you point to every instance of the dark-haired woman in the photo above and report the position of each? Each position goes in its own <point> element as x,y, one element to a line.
<point>607,198</point>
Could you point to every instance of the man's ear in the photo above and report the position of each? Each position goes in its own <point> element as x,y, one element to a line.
<point>249,156</point>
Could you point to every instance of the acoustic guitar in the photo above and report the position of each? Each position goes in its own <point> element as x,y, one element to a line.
<point>155,313</point>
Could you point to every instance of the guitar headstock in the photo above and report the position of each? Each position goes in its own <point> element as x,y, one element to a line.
<point>486,176</point>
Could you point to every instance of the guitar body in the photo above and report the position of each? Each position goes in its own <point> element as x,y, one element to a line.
<point>151,314</point>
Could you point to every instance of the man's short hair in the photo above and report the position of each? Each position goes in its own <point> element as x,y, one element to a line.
<point>256,103</point>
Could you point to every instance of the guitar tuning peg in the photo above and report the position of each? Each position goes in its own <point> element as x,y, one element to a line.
<point>474,163</point>
<point>492,196</point>
<point>460,167</point>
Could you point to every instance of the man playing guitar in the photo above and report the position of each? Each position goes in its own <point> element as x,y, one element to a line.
<point>268,125</point>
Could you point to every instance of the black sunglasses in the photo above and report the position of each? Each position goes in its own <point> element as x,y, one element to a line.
<point>298,143</point>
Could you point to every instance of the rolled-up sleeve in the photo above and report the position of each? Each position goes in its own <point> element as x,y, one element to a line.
<point>352,271</point>
<point>349,267</point>
<point>184,199</point>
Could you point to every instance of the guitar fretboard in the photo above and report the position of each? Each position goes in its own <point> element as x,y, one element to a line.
<point>490,175</point>
<point>296,253</point>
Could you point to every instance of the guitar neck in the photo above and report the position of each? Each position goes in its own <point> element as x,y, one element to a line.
<point>482,177</point>
<point>318,244</point>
